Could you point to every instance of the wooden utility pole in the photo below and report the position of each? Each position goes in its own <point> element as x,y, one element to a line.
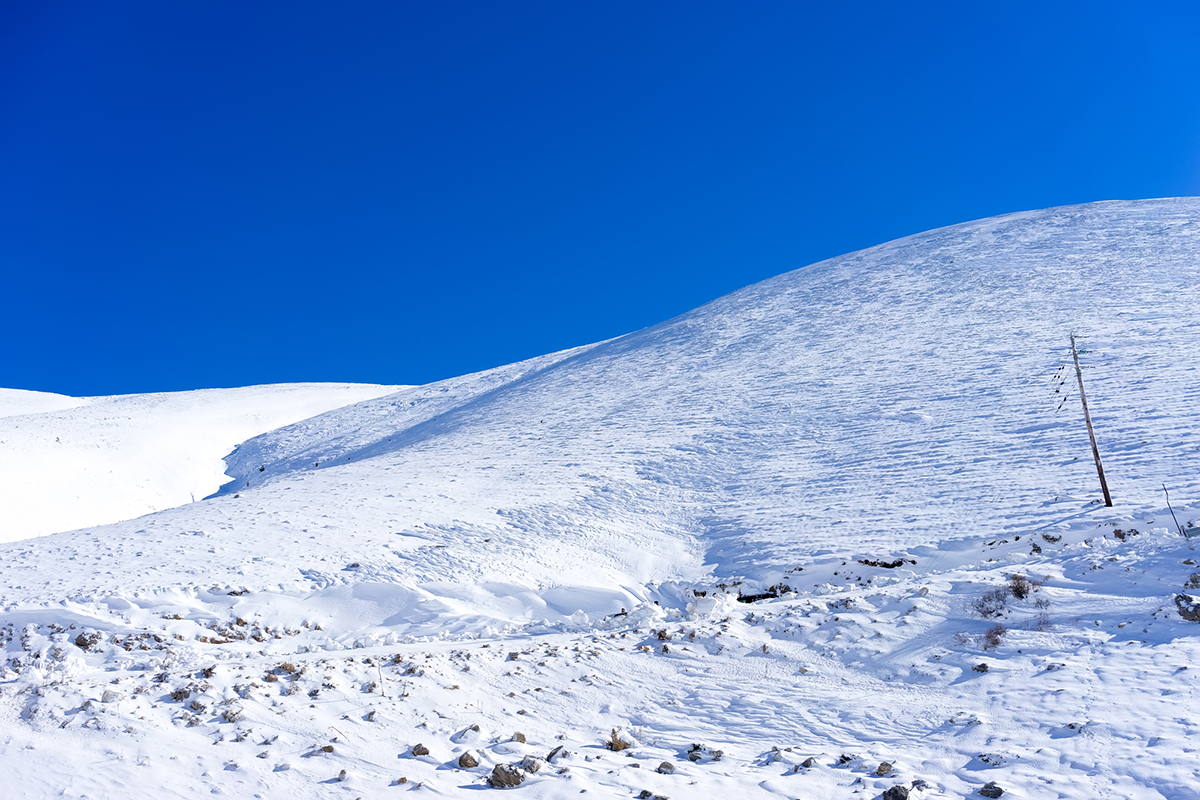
<point>1088,419</point>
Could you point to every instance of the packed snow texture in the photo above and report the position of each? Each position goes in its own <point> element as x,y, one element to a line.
<point>71,462</point>
<point>871,448</point>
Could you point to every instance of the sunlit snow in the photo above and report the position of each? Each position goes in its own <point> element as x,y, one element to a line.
<point>873,443</point>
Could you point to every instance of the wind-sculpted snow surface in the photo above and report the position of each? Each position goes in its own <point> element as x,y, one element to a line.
<point>872,445</point>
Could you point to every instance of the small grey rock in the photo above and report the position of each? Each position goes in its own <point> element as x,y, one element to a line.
<point>980,667</point>
<point>532,763</point>
<point>666,768</point>
<point>468,760</point>
<point>991,790</point>
<point>342,775</point>
<point>808,762</point>
<point>896,793</point>
<point>884,769</point>
<point>518,737</point>
<point>420,750</point>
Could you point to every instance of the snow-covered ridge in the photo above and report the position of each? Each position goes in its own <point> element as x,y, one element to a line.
<point>69,462</point>
<point>359,430</point>
<point>16,402</point>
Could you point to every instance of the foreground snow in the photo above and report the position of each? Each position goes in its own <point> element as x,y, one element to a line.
<point>555,547</point>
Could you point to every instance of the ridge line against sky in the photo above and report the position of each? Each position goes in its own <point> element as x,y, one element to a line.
<point>214,196</point>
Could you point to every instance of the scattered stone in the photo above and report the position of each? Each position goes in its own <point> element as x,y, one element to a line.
<point>808,762</point>
<point>896,793</point>
<point>884,768</point>
<point>991,790</point>
<point>506,776</point>
<point>420,750</point>
<point>698,752</point>
<point>1193,582</point>
<point>666,768</point>
<point>327,748</point>
<point>980,667</point>
<point>1189,607</point>
<point>649,795</point>
<point>467,760</point>
<point>518,737</point>
<point>558,752</point>
<point>845,759</point>
<point>532,764</point>
<point>86,641</point>
<point>342,775</point>
<point>109,696</point>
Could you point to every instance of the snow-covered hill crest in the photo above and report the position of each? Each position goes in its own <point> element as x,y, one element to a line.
<point>68,462</point>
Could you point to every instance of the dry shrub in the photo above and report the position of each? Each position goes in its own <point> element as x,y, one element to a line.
<point>616,743</point>
<point>991,603</point>
<point>992,636</point>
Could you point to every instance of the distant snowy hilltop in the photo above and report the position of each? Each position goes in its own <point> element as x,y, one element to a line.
<point>867,445</point>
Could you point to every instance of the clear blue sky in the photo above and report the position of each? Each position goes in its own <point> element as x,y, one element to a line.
<point>212,194</point>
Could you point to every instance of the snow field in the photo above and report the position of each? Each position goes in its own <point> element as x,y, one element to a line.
<point>874,443</point>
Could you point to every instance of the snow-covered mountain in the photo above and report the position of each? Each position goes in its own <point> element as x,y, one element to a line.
<point>71,462</point>
<point>875,443</point>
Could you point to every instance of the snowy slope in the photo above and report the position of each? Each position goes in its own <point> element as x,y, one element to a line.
<point>14,402</point>
<point>397,571</point>
<point>69,462</point>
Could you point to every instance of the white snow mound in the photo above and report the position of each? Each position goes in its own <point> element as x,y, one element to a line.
<point>69,462</point>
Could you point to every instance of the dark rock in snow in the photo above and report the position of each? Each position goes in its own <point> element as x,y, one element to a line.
<point>1189,607</point>
<point>991,790</point>
<point>468,760</point>
<point>808,762</point>
<point>698,752</point>
<point>506,776</point>
<point>884,768</point>
<point>896,793</point>
<point>420,750</point>
<point>518,737</point>
<point>666,768</point>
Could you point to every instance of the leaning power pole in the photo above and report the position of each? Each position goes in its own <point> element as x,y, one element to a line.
<point>1088,419</point>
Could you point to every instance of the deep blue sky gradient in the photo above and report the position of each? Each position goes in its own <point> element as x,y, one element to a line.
<point>218,194</point>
